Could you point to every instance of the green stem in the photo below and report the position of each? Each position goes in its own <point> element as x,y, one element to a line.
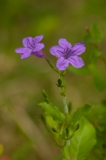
<point>66,113</point>
<point>63,93</point>
<point>52,66</point>
<point>65,105</point>
<point>63,89</point>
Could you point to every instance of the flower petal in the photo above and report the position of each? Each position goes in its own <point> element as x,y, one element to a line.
<point>22,50</point>
<point>28,42</point>
<point>38,54</point>
<point>62,63</point>
<point>25,53</point>
<point>64,43</point>
<point>78,48</point>
<point>37,39</point>
<point>19,50</point>
<point>56,51</point>
<point>76,61</point>
<point>38,47</point>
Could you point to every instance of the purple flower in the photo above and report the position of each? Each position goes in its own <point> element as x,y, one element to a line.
<point>31,46</point>
<point>68,54</point>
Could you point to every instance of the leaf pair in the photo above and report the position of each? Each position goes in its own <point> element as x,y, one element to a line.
<point>52,110</point>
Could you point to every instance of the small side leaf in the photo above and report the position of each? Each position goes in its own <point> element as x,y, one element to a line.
<point>52,110</point>
<point>45,96</point>
<point>51,123</point>
<point>79,113</point>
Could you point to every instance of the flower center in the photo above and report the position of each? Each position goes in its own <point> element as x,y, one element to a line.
<point>68,53</point>
<point>31,45</point>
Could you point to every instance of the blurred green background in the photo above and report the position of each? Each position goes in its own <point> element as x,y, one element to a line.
<point>21,81</point>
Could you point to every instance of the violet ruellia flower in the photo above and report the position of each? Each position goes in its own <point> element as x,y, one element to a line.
<point>31,46</point>
<point>68,54</point>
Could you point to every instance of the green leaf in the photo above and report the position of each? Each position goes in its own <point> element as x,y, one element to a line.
<point>83,141</point>
<point>51,123</point>
<point>98,79</point>
<point>59,83</point>
<point>79,113</point>
<point>77,116</point>
<point>52,110</point>
<point>79,71</point>
<point>66,152</point>
<point>45,96</point>
<point>96,33</point>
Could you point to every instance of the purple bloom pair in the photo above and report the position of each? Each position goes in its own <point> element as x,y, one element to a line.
<point>66,53</point>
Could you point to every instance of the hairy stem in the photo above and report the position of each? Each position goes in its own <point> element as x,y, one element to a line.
<point>66,113</point>
<point>65,105</point>
<point>51,65</point>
